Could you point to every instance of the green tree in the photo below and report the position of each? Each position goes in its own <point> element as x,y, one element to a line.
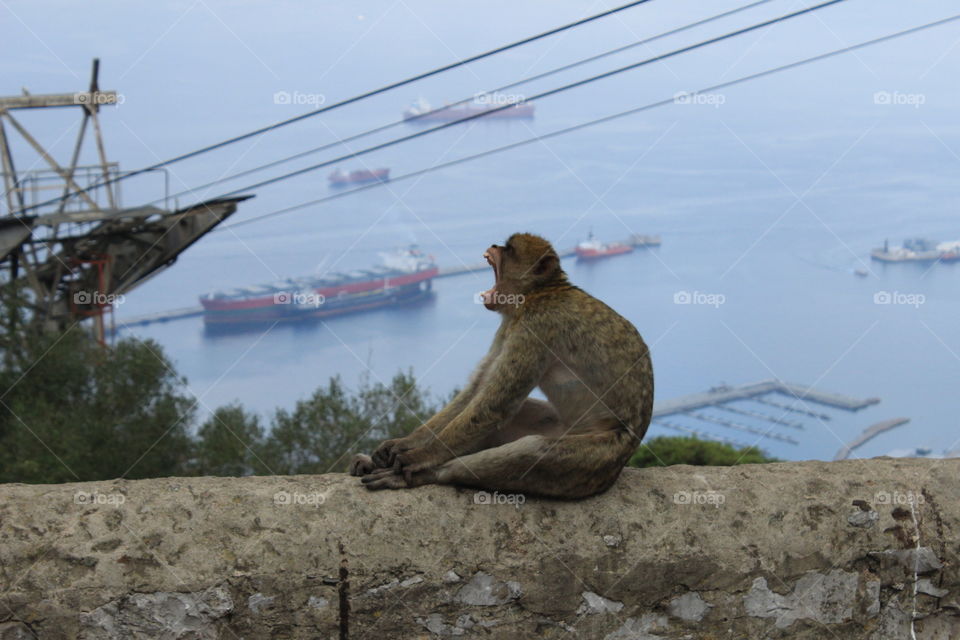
<point>227,444</point>
<point>73,410</point>
<point>323,432</point>
<point>665,451</point>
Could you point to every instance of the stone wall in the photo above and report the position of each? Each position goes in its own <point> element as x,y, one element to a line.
<point>856,549</point>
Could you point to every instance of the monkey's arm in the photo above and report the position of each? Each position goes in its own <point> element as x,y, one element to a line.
<point>514,373</point>
<point>385,454</point>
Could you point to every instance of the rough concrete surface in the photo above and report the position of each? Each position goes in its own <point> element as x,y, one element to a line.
<point>854,549</point>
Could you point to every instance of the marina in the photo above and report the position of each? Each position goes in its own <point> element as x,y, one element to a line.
<point>698,409</point>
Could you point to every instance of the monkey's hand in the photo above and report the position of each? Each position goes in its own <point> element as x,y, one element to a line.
<point>361,465</point>
<point>385,455</point>
<point>412,461</point>
<point>386,452</point>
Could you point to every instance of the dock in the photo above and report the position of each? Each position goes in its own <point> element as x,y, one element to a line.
<point>693,408</point>
<point>723,394</point>
<point>868,434</point>
<point>160,316</point>
<point>702,435</point>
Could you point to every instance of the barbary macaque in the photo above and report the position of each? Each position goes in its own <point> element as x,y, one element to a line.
<point>589,362</point>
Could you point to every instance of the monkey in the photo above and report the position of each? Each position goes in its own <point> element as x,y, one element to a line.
<point>589,362</point>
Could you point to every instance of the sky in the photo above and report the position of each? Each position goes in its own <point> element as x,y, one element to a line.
<point>192,73</point>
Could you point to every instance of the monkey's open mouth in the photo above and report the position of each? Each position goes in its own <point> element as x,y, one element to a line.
<point>493,259</point>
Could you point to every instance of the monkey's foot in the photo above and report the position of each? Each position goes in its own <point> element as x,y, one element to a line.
<point>361,465</point>
<point>383,479</point>
<point>387,479</point>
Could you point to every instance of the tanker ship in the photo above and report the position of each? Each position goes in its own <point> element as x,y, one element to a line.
<point>404,276</point>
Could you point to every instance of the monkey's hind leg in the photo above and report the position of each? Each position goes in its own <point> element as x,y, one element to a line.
<point>571,466</point>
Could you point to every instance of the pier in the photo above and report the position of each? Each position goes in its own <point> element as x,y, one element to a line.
<point>701,435</point>
<point>868,434</point>
<point>723,394</point>
<point>692,406</point>
<point>161,316</point>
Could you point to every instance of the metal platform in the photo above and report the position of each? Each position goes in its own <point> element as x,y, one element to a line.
<point>68,248</point>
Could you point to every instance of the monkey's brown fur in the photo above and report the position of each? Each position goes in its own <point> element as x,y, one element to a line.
<point>590,363</point>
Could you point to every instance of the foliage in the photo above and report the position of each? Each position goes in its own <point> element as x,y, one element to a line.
<point>323,432</point>
<point>227,444</point>
<point>665,451</point>
<point>71,410</point>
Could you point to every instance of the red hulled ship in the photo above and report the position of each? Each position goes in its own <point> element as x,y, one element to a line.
<point>592,249</point>
<point>404,276</point>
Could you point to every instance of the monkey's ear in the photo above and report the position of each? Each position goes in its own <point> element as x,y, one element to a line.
<point>546,264</point>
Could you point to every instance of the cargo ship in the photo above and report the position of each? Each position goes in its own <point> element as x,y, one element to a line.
<point>918,250</point>
<point>591,249</point>
<point>405,276</point>
<point>421,111</point>
<point>361,176</point>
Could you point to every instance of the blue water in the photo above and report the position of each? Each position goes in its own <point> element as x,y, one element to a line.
<point>770,195</point>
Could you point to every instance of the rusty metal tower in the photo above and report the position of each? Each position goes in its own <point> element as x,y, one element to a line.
<point>70,259</point>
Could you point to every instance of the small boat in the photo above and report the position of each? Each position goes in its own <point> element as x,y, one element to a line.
<point>361,176</point>
<point>862,273</point>
<point>421,111</point>
<point>591,249</point>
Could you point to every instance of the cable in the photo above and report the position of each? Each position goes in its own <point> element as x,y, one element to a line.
<point>505,87</point>
<point>357,98</point>
<point>591,123</point>
<point>572,85</point>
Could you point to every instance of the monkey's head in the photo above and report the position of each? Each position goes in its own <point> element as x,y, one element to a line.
<point>524,264</point>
